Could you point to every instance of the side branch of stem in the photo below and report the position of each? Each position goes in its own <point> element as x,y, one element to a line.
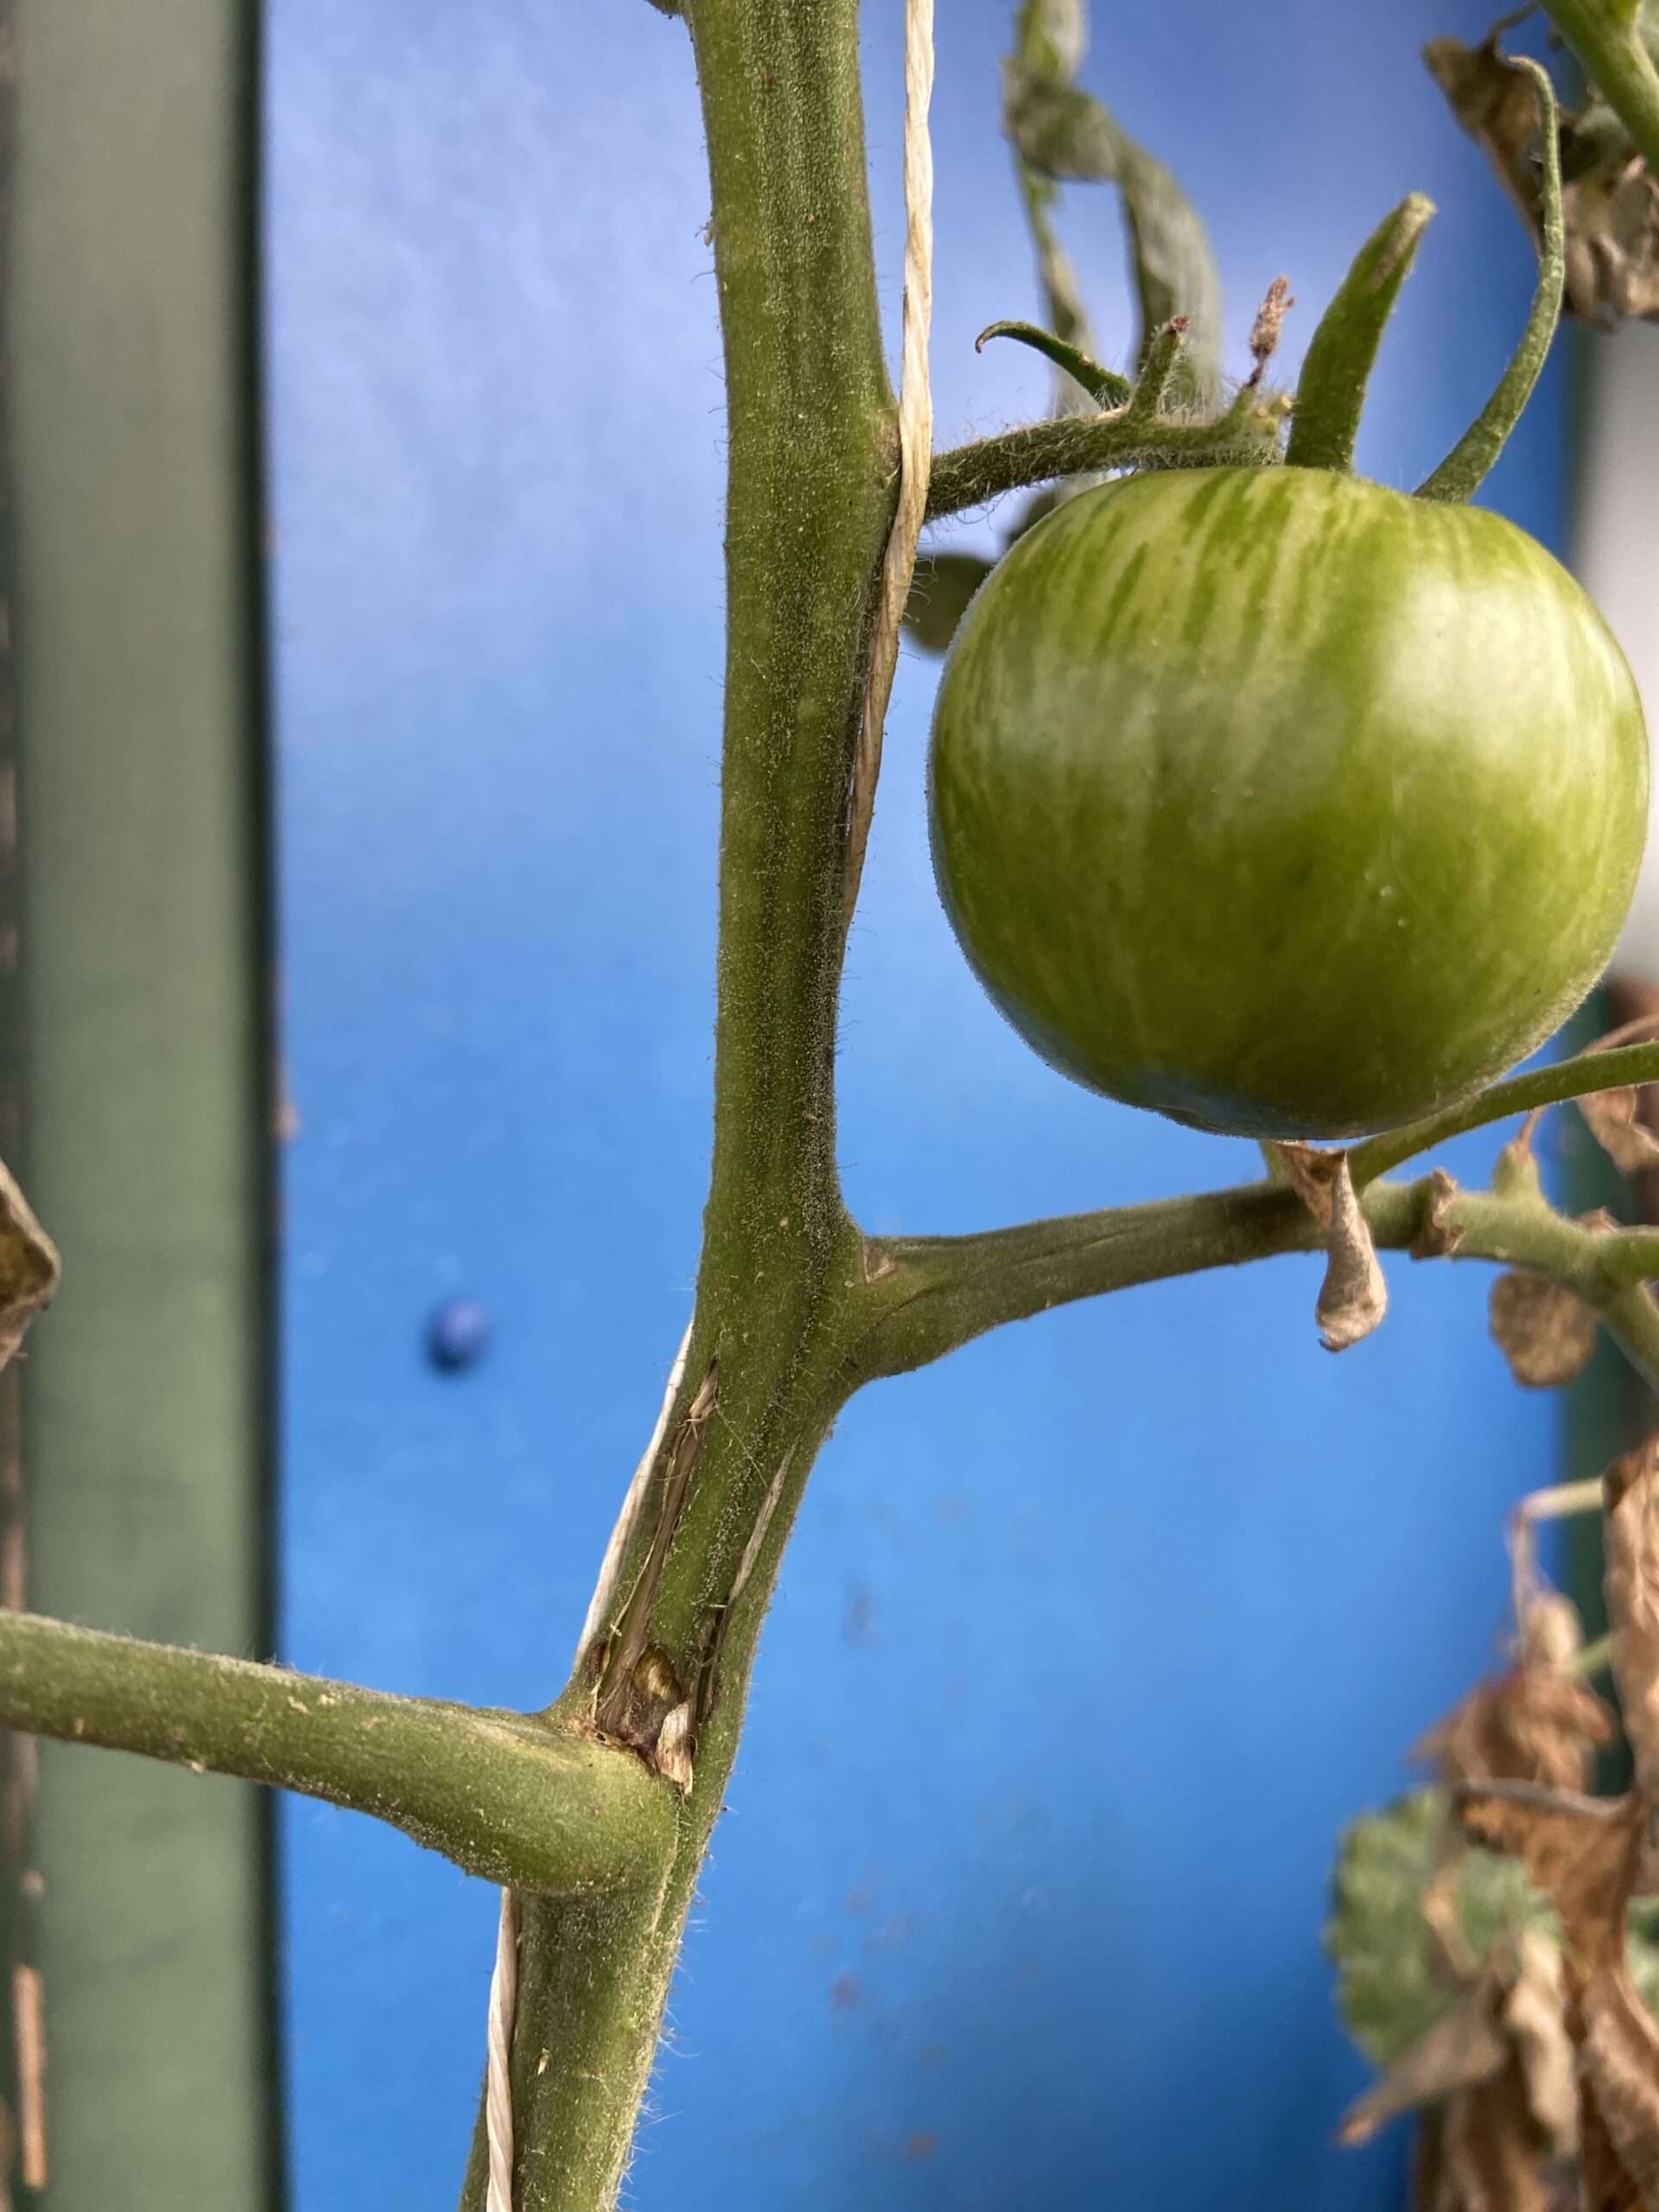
<point>506,1796</point>
<point>933,1294</point>
<point>1079,445</point>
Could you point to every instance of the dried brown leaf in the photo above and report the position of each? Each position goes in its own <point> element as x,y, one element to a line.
<point>1354,1296</point>
<point>1618,2059</point>
<point>1584,1857</point>
<point>1550,1633</point>
<point>1494,2159</point>
<point>1611,210</point>
<point>29,1266</point>
<point>1630,1540</point>
<point>1532,1723</point>
<point>1612,243</point>
<point>1612,1117</point>
<point>1464,2046</point>
<point>1547,1336</point>
<point>1535,2020</point>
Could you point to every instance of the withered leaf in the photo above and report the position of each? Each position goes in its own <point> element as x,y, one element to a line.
<point>1547,1336</point>
<point>29,1267</point>
<point>1492,2157</point>
<point>1612,242</point>
<point>1618,2058</point>
<point>1631,1539</point>
<point>1464,2046</point>
<point>1535,2020</point>
<point>1612,1115</point>
<point>1532,1723</point>
<point>1584,1857</point>
<point>1354,1296</point>
<point>1551,1634</point>
<point>1611,203</point>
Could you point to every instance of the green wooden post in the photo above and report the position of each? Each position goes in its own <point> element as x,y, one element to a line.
<point>132,432</point>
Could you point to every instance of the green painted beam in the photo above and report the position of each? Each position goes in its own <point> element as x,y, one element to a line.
<point>132,437</point>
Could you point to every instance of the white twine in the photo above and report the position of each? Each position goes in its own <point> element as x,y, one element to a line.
<point>915,428</point>
<point>504,1981</point>
<point>915,461</point>
<point>611,1565</point>
<point>498,2088</point>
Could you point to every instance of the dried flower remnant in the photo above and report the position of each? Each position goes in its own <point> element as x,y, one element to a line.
<point>1354,1296</point>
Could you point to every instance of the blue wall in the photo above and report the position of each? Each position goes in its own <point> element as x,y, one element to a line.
<point>963,1944</point>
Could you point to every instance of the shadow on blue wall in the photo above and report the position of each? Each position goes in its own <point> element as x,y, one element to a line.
<point>1091,1638</point>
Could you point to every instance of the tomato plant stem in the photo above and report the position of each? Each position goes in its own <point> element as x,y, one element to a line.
<point>1578,1077</point>
<point>936,1293</point>
<point>1607,39</point>
<point>1076,445</point>
<point>599,1810</point>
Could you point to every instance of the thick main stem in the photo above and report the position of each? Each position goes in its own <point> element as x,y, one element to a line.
<point>812,481</point>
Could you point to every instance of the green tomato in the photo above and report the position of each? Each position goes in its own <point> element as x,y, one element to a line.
<point>1281,803</point>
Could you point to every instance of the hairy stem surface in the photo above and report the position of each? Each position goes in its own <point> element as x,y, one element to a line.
<point>811,483</point>
<point>504,1794</point>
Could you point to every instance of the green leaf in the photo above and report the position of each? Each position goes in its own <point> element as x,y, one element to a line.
<point>1104,387</point>
<point>939,592</point>
<point>1051,37</point>
<point>1325,424</point>
<point>1067,134</point>
<point>1388,1990</point>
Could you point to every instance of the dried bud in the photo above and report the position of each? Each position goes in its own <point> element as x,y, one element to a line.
<point>1612,1116</point>
<point>1269,322</point>
<point>1438,1235</point>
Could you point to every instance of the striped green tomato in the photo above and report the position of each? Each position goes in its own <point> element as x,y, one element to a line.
<point>1282,803</point>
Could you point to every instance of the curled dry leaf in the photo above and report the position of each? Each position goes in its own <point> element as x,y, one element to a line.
<point>1631,1539</point>
<point>1550,1633</point>
<point>1535,2020</point>
<point>29,1267</point>
<point>1611,203</point>
<point>1496,2077</point>
<point>1618,2060</point>
<point>1584,1856</point>
<point>1465,2045</point>
<point>1612,1117</point>
<point>1493,2156</point>
<point>1533,1724</point>
<point>1547,1336</point>
<point>1354,1297</point>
